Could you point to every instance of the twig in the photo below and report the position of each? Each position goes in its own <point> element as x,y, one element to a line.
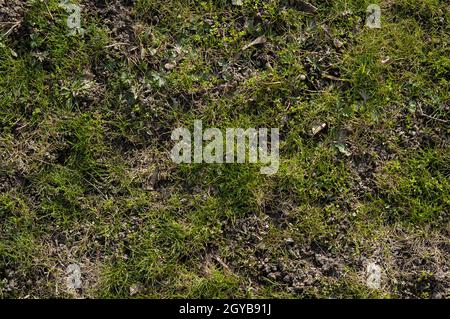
<point>114,44</point>
<point>12,28</point>
<point>431,117</point>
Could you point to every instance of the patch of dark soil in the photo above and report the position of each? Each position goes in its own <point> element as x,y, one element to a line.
<point>366,158</point>
<point>419,268</point>
<point>290,265</point>
<point>149,168</point>
<point>9,181</point>
<point>364,165</point>
<point>424,128</point>
<point>422,268</point>
<point>117,16</point>
<point>278,212</point>
<point>11,16</point>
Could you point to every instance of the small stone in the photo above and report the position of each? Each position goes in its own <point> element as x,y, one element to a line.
<point>273,275</point>
<point>385,60</point>
<point>318,128</point>
<point>169,66</point>
<point>337,43</point>
<point>135,289</point>
<point>287,279</point>
<point>289,241</point>
<point>343,149</point>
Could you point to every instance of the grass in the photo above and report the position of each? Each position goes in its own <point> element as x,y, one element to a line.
<point>86,177</point>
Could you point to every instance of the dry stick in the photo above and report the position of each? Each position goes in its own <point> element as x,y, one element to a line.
<point>49,12</point>
<point>115,44</point>
<point>431,117</point>
<point>12,28</point>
